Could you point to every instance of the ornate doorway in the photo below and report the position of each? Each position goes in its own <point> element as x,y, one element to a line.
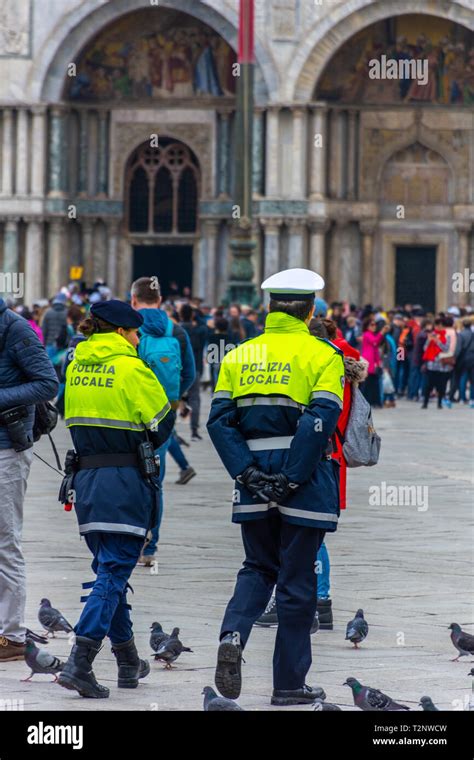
<point>162,195</point>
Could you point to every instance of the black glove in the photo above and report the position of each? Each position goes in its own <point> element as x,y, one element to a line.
<point>279,487</point>
<point>255,481</point>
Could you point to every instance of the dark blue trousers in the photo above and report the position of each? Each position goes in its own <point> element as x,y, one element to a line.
<point>106,611</point>
<point>278,553</point>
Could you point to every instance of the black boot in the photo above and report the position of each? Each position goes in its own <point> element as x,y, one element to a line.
<point>228,676</point>
<point>78,674</point>
<point>130,667</point>
<point>325,614</point>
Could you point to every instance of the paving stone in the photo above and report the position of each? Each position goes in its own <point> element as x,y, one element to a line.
<point>409,570</point>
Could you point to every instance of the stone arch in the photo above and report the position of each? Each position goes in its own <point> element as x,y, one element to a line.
<point>46,80</point>
<point>416,175</point>
<point>192,135</point>
<point>428,140</point>
<point>340,24</point>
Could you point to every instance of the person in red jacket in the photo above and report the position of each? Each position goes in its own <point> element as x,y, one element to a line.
<point>355,371</point>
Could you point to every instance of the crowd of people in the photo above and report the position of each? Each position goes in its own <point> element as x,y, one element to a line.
<point>411,353</point>
<point>184,342</point>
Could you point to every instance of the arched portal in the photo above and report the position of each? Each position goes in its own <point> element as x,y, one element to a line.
<point>414,178</point>
<point>346,20</point>
<point>146,75</point>
<point>393,106</point>
<point>162,190</point>
<point>81,25</point>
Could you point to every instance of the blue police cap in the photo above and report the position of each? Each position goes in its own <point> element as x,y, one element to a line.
<point>117,313</point>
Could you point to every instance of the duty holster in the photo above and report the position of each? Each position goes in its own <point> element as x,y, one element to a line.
<point>71,466</point>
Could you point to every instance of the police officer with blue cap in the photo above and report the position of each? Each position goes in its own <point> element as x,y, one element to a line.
<point>273,413</point>
<point>118,414</point>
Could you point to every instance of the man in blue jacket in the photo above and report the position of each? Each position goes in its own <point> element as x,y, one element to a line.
<point>166,348</point>
<point>27,377</point>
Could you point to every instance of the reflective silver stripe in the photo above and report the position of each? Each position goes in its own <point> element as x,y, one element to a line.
<point>222,394</point>
<point>112,528</point>
<point>159,416</point>
<point>267,444</point>
<point>103,421</point>
<point>305,514</point>
<point>308,515</point>
<point>327,394</point>
<point>269,401</point>
<point>250,508</point>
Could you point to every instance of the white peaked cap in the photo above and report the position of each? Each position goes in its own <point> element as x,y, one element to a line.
<point>294,281</point>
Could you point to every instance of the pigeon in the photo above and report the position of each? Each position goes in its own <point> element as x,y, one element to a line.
<point>320,706</point>
<point>52,619</point>
<point>214,703</point>
<point>367,698</point>
<point>157,637</point>
<point>357,629</point>
<point>464,642</point>
<point>471,672</point>
<point>36,637</point>
<point>40,661</point>
<point>427,704</point>
<point>170,649</point>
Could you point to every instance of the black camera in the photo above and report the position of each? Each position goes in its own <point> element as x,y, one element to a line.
<point>13,419</point>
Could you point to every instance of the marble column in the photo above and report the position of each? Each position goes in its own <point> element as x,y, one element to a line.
<point>319,148</point>
<point>258,152</point>
<point>87,225</point>
<point>463,230</point>
<point>272,152</point>
<point>336,154</point>
<point>7,152</point>
<point>200,274</point>
<point>125,264</point>
<point>295,243</point>
<point>83,161</point>
<point>113,232</point>
<point>271,255</point>
<point>38,151</point>
<point>11,254</point>
<point>22,153</point>
<point>210,230</point>
<point>57,152</point>
<point>298,150</point>
<point>57,264</point>
<point>352,155</point>
<point>367,228</point>
<point>103,163</point>
<point>223,177</point>
<point>317,246</point>
<point>34,259</point>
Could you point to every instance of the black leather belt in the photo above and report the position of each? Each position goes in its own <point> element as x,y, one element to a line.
<point>107,460</point>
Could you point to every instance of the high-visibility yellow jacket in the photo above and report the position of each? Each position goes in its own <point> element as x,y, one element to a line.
<point>114,402</point>
<point>276,406</point>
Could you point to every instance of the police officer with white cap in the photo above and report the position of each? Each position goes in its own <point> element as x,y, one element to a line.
<point>274,411</point>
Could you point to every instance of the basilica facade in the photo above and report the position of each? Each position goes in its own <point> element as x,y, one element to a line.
<point>118,143</point>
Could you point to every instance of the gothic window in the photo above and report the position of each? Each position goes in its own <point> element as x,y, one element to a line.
<point>162,189</point>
